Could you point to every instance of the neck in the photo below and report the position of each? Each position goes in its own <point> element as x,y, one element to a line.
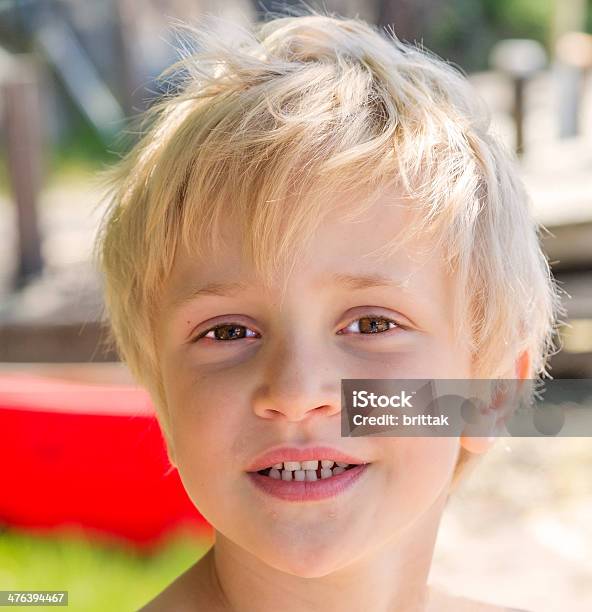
<point>392,577</point>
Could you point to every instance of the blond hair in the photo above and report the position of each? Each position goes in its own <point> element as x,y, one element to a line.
<point>270,126</point>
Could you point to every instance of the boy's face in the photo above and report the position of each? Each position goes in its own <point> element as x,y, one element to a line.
<point>276,382</point>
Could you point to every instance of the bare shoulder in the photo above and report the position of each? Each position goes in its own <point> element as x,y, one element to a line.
<point>442,601</point>
<point>189,592</point>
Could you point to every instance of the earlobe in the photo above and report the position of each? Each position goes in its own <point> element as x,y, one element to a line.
<point>477,445</point>
<point>170,450</point>
<point>171,456</point>
<point>480,445</point>
<point>523,365</point>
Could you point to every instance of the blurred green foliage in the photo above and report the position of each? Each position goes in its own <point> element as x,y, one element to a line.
<point>98,576</point>
<point>80,152</point>
<point>464,31</point>
<point>520,18</point>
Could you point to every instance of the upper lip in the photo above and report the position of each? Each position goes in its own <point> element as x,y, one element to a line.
<point>279,454</point>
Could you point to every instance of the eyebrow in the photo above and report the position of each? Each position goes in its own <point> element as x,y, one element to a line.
<point>362,281</point>
<point>354,282</point>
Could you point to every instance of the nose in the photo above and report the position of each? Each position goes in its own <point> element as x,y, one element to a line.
<point>296,386</point>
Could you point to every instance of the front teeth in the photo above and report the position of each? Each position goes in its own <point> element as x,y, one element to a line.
<point>306,470</point>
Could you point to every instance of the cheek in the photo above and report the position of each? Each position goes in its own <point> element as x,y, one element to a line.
<point>420,469</point>
<point>445,358</point>
<point>204,416</point>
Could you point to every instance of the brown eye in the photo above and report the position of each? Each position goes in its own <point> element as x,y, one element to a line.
<point>371,325</point>
<point>227,331</point>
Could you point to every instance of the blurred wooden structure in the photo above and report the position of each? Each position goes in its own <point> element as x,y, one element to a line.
<point>573,52</point>
<point>561,190</point>
<point>520,60</point>
<point>22,125</point>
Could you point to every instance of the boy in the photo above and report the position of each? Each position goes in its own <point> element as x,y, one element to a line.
<point>317,201</point>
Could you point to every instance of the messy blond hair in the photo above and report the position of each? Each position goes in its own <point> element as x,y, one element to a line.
<point>271,126</point>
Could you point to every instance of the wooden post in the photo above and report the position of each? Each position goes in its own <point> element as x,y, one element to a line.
<point>573,52</point>
<point>22,126</point>
<point>520,60</point>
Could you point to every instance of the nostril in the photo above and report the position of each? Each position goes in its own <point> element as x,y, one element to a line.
<point>297,414</point>
<point>271,413</point>
<point>328,410</point>
<point>294,406</point>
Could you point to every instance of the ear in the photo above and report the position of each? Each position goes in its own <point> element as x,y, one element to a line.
<point>171,457</point>
<point>171,453</point>
<point>479,445</point>
<point>523,366</point>
<point>168,441</point>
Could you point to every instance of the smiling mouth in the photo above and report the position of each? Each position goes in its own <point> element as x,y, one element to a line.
<point>306,471</point>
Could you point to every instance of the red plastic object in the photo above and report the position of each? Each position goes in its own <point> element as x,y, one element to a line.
<point>90,456</point>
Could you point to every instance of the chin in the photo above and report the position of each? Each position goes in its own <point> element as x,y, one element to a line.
<point>314,563</point>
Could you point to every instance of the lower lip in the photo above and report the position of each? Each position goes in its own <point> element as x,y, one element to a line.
<point>299,491</point>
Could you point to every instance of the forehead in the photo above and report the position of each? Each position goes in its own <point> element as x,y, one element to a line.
<point>339,246</point>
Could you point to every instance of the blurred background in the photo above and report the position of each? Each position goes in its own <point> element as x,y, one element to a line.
<point>88,503</point>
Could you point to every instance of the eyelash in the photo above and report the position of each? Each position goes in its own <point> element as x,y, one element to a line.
<point>234,324</point>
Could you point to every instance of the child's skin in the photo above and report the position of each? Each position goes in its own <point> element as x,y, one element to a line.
<point>371,546</point>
